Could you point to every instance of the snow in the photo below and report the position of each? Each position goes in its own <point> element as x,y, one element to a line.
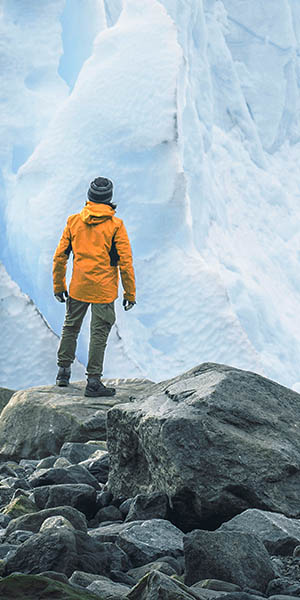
<point>28,346</point>
<point>192,109</point>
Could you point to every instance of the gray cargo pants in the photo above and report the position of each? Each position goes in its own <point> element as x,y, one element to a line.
<point>103,318</point>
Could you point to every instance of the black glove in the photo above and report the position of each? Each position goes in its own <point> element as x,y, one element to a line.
<point>61,296</point>
<point>128,304</point>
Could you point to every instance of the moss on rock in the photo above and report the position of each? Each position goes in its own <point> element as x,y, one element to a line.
<point>19,506</point>
<point>36,587</point>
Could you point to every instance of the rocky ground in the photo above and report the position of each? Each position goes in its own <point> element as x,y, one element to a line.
<point>188,489</point>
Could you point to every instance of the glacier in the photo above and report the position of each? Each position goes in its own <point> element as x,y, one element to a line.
<point>192,109</point>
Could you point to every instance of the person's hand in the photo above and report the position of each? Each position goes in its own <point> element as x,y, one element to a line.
<point>128,304</point>
<point>61,296</point>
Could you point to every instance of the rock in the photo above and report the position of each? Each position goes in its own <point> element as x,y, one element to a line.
<point>5,549</point>
<point>56,576</point>
<point>37,422</point>
<point>5,396</point>
<point>210,435</point>
<point>158,586</point>
<point>56,476</point>
<point>146,541</point>
<point>19,506</point>
<point>76,452</point>
<point>108,590</point>
<point>16,483</point>
<point>33,522</point>
<point>18,536</point>
<point>65,551</point>
<point>148,506</point>
<point>62,463</point>
<point>46,463</point>
<point>283,585</point>
<point>6,494</point>
<point>138,572</point>
<point>79,496</point>
<point>19,587</point>
<point>143,541</point>
<point>218,585</point>
<point>56,523</point>
<point>4,520</point>
<point>208,593</point>
<point>279,534</point>
<point>109,513</point>
<point>82,578</point>
<point>239,558</point>
<point>99,467</point>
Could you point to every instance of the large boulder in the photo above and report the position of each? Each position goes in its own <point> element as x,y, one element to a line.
<point>143,541</point>
<point>37,422</point>
<point>239,558</point>
<point>65,551</point>
<point>217,440</point>
<point>279,534</point>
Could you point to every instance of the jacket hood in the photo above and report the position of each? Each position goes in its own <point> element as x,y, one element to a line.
<point>94,213</point>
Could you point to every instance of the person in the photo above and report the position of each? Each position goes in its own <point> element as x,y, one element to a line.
<point>101,249</point>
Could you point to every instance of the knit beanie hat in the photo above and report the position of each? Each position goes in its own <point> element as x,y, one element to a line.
<point>100,191</point>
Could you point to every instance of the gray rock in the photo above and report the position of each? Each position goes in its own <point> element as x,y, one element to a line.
<point>4,520</point>
<point>62,463</point>
<point>65,551</point>
<point>33,521</point>
<point>279,534</point>
<point>239,558</point>
<point>146,541</point>
<point>82,578</point>
<point>19,536</point>
<point>37,422</point>
<point>80,496</point>
<point>138,572</point>
<point>15,483</point>
<point>125,506</point>
<point>46,463</point>
<point>109,513</point>
<point>216,584</point>
<point>5,549</point>
<point>108,590</point>
<point>56,523</point>
<point>156,585</point>
<point>56,576</point>
<point>99,467</point>
<point>6,494</point>
<point>57,476</point>
<point>283,585</point>
<point>77,452</point>
<point>283,597</point>
<point>212,436</point>
<point>148,506</point>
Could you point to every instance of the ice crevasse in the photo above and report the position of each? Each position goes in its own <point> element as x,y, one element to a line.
<point>191,108</point>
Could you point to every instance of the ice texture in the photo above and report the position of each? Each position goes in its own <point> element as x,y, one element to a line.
<point>192,109</point>
<point>28,345</point>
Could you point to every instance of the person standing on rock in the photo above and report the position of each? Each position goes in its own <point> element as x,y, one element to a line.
<point>101,248</point>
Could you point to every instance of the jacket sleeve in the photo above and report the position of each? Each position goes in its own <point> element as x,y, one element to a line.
<point>60,260</point>
<point>125,263</point>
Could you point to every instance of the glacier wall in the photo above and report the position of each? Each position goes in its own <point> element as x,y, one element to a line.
<point>192,108</point>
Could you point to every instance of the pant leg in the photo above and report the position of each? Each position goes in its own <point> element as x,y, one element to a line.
<point>75,312</point>
<point>103,318</point>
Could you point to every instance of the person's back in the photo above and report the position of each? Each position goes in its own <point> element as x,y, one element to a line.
<point>100,247</point>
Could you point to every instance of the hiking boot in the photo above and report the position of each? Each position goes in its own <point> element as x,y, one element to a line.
<point>63,376</point>
<point>95,388</point>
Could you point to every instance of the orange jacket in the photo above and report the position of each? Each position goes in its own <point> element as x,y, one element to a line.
<point>89,235</point>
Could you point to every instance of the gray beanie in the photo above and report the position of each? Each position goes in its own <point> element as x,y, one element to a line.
<point>100,190</point>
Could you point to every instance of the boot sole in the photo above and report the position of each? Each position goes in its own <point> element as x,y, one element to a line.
<point>97,394</point>
<point>62,383</point>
